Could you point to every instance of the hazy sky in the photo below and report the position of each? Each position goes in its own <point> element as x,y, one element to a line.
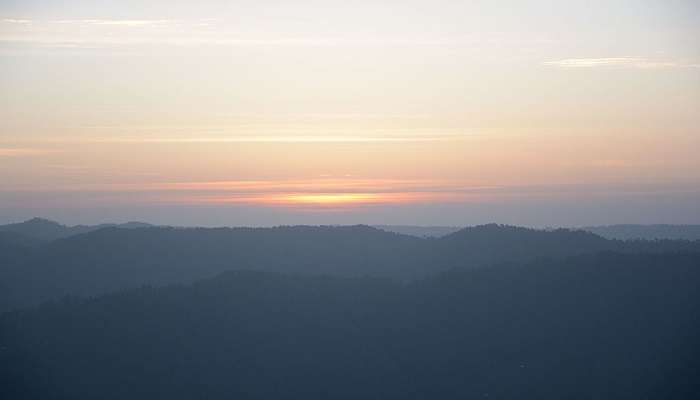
<point>417,112</point>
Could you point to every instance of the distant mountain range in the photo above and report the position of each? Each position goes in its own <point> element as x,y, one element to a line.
<point>134,311</point>
<point>47,230</point>
<point>622,232</point>
<point>100,260</point>
<point>44,229</point>
<point>420,231</point>
<point>650,232</point>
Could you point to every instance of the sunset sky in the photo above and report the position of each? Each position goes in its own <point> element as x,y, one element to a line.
<point>271,112</point>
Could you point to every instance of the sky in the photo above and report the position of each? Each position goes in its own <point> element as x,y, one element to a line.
<point>272,112</point>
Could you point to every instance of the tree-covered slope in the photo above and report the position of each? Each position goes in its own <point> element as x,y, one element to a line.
<point>609,326</point>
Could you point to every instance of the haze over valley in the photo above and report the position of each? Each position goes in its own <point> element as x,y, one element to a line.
<point>368,199</point>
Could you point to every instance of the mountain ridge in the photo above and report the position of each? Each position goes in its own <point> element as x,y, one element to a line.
<point>112,258</point>
<point>48,230</point>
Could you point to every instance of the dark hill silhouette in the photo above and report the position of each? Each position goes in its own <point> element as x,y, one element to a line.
<point>44,229</point>
<point>621,232</point>
<point>608,326</point>
<point>419,231</point>
<point>40,228</point>
<point>112,258</point>
<point>647,232</point>
<point>496,243</point>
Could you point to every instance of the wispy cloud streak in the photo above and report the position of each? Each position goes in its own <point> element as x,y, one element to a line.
<point>117,22</point>
<point>21,152</point>
<point>107,33</point>
<point>16,21</point>
<point>323,194</point>
<point>284,139</point>
<point>320,192</point>
<point>619,62</point>
<point>290,137</point>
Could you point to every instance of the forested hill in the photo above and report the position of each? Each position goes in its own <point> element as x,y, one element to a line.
<point>47,230</point>
<point>649,232</point>
<point>114,258</point>
<point>606,326</point>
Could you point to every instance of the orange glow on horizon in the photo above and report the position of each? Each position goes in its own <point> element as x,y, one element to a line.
<point>334,199</point>
<point>308,194</point>
<point>324,200</point>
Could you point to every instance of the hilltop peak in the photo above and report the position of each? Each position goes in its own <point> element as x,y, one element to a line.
<point>46,229</point>
<point>40,220</point>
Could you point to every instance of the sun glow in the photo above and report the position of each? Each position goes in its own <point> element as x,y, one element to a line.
<point>344,200</point>
<point>334,199</point>
<point>307,194</point>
